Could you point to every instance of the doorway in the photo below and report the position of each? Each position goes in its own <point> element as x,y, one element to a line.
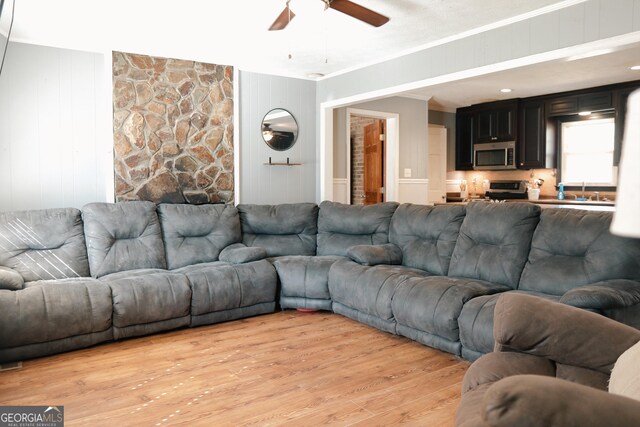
<point>377,180</point>
<point>367,159</point>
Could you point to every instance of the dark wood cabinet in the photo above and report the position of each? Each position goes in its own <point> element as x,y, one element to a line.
<point>533,123</point>
<point>497,122</point>
<point>465,138</point>
<point>573,104</point>
<point>532,140</point>
<point>563,106</point>
<point>597,101</point>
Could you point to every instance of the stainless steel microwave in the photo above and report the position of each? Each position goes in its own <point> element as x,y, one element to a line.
<point>494,156</point>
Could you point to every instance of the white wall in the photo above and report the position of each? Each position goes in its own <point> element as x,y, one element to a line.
<point>54,148</point>
<point>263,184</point>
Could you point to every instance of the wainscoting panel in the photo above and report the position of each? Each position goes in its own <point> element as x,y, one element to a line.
<point>413,191</point>
<point>340,187</point>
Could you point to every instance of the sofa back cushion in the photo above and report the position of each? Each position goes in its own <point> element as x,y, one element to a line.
<point>122,236</point>
<point>194,234</point>
<point>573,247</point>
<point>341,226</point>
<point>44,244</point>
<point>494,242</point>
<point>287,229</point>
<point>427,235</point>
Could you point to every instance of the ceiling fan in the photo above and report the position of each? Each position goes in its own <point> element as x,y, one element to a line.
<point>345,6</point>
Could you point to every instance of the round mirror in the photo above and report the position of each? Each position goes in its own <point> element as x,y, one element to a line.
<point>279,129</point>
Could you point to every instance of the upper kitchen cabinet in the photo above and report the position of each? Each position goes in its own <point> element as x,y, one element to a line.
<point>465,138</point>
<point>497,121</point>
<point>574,104</point>
<point>532,140</point>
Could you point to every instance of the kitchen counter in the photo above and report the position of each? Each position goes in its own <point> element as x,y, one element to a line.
<point>549,203</point>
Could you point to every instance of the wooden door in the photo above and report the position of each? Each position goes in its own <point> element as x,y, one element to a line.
<point>374,163</point>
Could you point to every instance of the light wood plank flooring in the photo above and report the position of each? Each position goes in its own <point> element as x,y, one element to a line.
<point>285,368</point>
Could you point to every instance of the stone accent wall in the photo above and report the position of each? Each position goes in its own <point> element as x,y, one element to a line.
<point>172,130</point>
<point>357,157</point>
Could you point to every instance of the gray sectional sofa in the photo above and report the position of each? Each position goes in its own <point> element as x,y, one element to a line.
<point>71,279</point>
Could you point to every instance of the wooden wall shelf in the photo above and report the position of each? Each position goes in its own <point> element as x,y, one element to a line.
<point>282,163</point>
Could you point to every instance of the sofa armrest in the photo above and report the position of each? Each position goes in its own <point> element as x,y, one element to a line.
<point>610,294</point>
<point>559,332</point>
<point>239,253</point>
<point>10,279</point>
<point>376,254</point>
<point>535,400</point>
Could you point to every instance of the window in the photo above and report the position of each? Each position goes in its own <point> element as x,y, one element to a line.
<point>587,152</point>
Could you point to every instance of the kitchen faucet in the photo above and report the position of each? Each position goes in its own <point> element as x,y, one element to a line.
<point>583,189</point>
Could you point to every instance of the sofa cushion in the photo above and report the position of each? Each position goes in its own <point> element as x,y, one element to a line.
<point>433,304</point>
<point>197,233</point>
<point>304,281</point>
<point>122,236</point>
<point>219,287</point>
<point>341,226</point>
<point>287,229</point>
<point>44,244</point>
<point>10,279</point>
<point>147,296</point>
<point>572,247</point>
<point>48,310</point>
<point>367,290</point>
<point>494,242</point>
<point>427,235</point>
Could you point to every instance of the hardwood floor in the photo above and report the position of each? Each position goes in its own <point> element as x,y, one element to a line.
<point>285,368</point>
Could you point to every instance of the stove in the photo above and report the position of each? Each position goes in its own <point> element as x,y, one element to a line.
<point>507,189</point>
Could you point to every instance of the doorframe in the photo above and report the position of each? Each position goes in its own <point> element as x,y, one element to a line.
<point>391,149</point>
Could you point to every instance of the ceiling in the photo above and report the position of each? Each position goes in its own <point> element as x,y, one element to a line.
<point>235,32</point>
<point>532,80</point>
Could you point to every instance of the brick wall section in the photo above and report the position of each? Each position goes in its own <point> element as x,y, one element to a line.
<point>172,130</point>
<point>357,157</point>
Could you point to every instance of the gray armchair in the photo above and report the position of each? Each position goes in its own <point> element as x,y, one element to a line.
<point>550,367</point>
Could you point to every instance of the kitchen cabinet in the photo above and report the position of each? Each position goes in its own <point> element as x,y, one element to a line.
<point>563,106</point>
<point>573,104</point>
<point>597,101</point>
<point>496,122</point>
<point>532,138</point>
<point>465,138</point>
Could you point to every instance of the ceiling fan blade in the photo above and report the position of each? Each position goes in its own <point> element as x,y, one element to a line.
<point>282,20</point>
<point>359,12</point>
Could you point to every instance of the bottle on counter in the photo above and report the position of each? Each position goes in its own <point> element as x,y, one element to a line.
<point>561,191</point>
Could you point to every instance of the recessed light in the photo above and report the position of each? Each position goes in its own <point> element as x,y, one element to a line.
<point>635,68</point>
<point>584,113</point>
<point>506,90</point>
<point>315,75</point>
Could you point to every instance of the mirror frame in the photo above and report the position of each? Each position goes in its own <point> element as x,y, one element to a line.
<point>284,139</point>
